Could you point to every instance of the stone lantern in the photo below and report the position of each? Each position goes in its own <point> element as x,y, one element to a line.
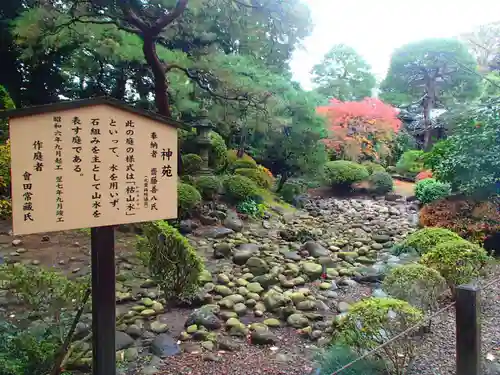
<point>203,127</point>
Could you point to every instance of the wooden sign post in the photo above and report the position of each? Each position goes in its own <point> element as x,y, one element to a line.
<point>92,163</point>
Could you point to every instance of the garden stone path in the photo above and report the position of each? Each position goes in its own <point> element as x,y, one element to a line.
<point>263,308</point>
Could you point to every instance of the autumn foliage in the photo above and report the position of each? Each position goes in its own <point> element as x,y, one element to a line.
<point>360,130</point>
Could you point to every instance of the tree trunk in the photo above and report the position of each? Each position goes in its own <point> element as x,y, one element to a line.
<point>282,181</point>
<point>160,84</point>
<point>428,105</point>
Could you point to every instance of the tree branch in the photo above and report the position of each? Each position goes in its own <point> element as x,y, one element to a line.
<point>131,17</point>
<point>170,17</point>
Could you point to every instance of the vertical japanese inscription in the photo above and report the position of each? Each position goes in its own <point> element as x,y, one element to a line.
<point>38,156</point>
<point>154,190</point>
<point>58,167</point>
<point>166,170</point>
<point>114,194</point>
<point>131,186</point>
<point>95,134</point>
<point>27,197</point>
<point>76,142</point>
<point>154,145</point>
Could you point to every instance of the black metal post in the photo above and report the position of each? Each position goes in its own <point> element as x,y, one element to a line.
<point>103,301</point>
<point>468,330</point>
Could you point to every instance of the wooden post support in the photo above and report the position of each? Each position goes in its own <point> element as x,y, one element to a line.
<point>468,330</point>
<point>103,301</point>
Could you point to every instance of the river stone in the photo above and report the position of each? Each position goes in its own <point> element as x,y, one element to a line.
<point>148,313</point>
<point>236,298</point>
<point>240,309</point>
<point>222,250</point>
<point>192,329</point>
<point>263,337</point>
<point>205,277</point>
<point>257,266</point>
<point>164,346</point>
<point>381,238</point>
<point>245,252</point>
<point>343,307</point>
<point>292,255</point>
<point>222,290</point>
<point>157,307</point>
<point>233,222</point>
<point>233,322</point>
<point>225,315</point>
<point>272,322</point>
<point>315,249</point>
<point>226,343</point>
<point>312,270</point>
<point>222,278</point>
<point>148,302</point>
<point>205,317</point>
<point>254,288</point>
<point>273,300</point>
<point>158,327</point>
<point>306,305</point>
<point>122,340</point>
<point>215,232</point>
<point>297,297</point>
<point>297,321</point>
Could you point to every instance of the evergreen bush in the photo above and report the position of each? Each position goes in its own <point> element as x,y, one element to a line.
<point>381,182</point>
<point>171,260</point>
<point>429,190</point>
<point>423,240</point>
<point>344,173</point>
<point>208,186</point>
<point>187,198</point>
<point>240,188</point>
<point>191,164</point>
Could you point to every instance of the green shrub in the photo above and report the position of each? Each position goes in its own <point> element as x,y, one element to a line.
<point>260,177</point>
<point>172,262</point>
<point>410,163</point>
<point>28,350</point>
<point>429,190</point>
<point>403,142</point>
<point>290,190</point>
<point>191,164</point>
<point>240,188</point>
<point>208,186</point>
<point>5,169</point>
<point>244,164</point>
<point>423,240</point>
<point>416,284</point>
<point>343,173</point>
<point>217,157</point>
<point>439,152</point>
<point>5,209</point>
<point>251,208</point>
<point>458,261</point>
<point>6,103</point>
<point>381,182</point>
<point>471,163</point>
<point>372,321</point>
<point>372,167</point>
<point>187,198</point>
<point>41,290</point>
<point>336,356</point>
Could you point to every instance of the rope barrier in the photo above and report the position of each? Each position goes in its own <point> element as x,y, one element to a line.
<point>405,332</point>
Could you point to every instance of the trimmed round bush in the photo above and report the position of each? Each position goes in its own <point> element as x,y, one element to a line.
<point>240,188</point>
<point>372,167</point>
<point>290,190</point>
<point>429,190</point>
<point>458,261</point>
<point>423,240</point>
<point>187,198</point>
<point>373,321</point>
<point>217,157</point>
<point>173,263</point>
<point>244,164</point>
<point>208,186</point>
<point>410,163</point>
<point>416,284</point>
<point>381,182</point>
<point>191,164</point>
<point>260,177</point>
<point>344,173</point>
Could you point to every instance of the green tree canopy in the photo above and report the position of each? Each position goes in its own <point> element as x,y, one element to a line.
<point>434,73</point>
<point>344,74</point>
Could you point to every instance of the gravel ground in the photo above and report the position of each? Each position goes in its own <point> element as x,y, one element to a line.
<point>292,355</point>
<point>438,354</point>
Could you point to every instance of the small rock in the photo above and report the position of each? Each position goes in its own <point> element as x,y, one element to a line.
<point>343,307</point>
<point>271,322</point>
<point>122,340</point>
<point>158,327</point>
<point>297,321</point>
<point>16,242</point>
<point>263,337</point>
<point>164,345</point>
<point>148,313</point>
<point>208,345</point>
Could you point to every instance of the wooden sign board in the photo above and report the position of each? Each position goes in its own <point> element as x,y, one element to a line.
<point>91,165</point>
